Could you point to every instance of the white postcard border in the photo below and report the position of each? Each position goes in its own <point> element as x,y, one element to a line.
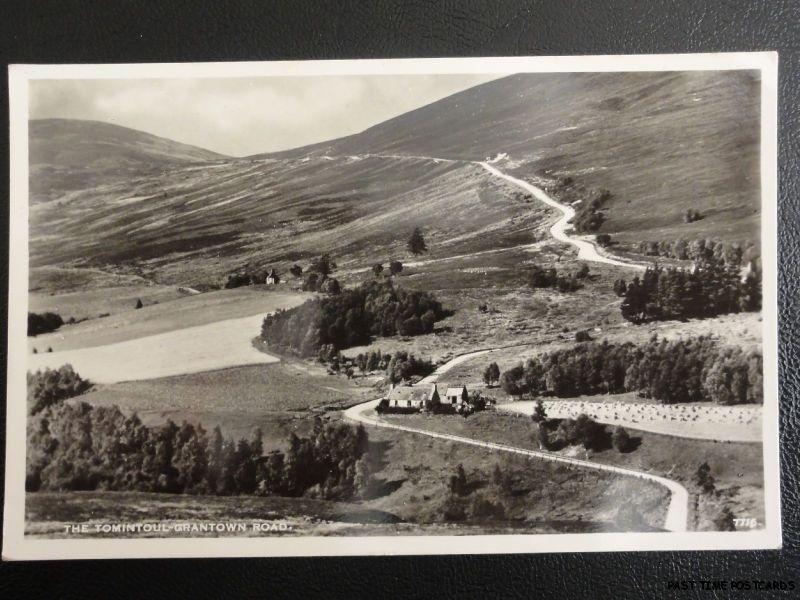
<point>17,547</point>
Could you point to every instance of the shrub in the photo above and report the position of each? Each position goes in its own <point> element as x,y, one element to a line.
<point>582,272</point>
<point>377,269</point>
<point>483,509</point>
<point>139,303</point>
<point>296,271</point>
<point>395,267</point>
<point>238,280</point>
<point>582,336</point>
<point>621,439</point>
<point>416,243</point>
<point>458,485</point>
<point>603,239</point>
<point>704,480</point>
<point>43,323</point>
<point>725,520</point>
<point>691,215</point>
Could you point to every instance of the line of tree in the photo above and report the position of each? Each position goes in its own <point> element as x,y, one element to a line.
<point>374,308</point>
<point>712,288</point>
<point>43,323</point>
<point>74,446</point>
<point>691,370</point>
<point>731,253</point>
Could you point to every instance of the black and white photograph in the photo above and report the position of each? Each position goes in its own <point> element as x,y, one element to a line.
<point>428,306</point>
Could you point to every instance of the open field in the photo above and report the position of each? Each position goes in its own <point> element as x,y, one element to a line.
<point>217,345</point>
<point>182,313</point>
<point>93,303</point>
<point>699,420</point>
<point>279,398</point>
<point>737,467</point>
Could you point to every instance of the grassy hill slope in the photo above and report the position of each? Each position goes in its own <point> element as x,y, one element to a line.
<point>660,142</point>
<point>71,154</point>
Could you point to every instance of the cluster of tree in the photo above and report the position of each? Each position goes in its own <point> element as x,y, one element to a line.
<point>80,447</point>
<point>588,214</point>
<point>690,370</point>
<point>403,366</point>
<point>43,323</point>
<point>730,253</point>
<point>318,276</point>
<point>581,431</point>
<point>395,268</point>
<point>352,318</point>
<point>51,386</point>
<point>399,367</point>
<point>712,288</point>
<point>550,278</point>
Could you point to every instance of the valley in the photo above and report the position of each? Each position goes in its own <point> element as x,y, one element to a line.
<point>138,247</point>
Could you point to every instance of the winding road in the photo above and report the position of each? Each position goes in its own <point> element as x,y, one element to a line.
<point>677,511</point>
<point>587,250</point>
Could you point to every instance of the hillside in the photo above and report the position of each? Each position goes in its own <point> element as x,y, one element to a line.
<point>70,154</point>
<point>659,142</point>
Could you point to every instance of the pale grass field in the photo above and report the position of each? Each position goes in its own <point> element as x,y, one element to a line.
<point>182,313</point>
<point>700,421</point>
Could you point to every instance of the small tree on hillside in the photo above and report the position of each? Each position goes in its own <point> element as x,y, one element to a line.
<point>395,267</point>
<point>139,303</point>
<point>296,270</point>
<point>416,243</point>
<point>492,374</point>
<point>377,269</point>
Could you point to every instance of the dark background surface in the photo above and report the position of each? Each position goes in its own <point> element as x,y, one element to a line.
<point>68,31</point>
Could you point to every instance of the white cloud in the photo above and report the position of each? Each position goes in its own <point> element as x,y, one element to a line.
<point>245,116</point>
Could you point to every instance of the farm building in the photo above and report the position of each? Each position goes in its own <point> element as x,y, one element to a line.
<point>408,398</point>
<point>455,396</point>
<point>272,278</point>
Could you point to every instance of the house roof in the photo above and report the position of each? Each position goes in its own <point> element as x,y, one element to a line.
<point>406,392</point>
<point>456,391</point>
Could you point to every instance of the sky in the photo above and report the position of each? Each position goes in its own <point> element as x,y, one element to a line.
<point>243,116</point>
